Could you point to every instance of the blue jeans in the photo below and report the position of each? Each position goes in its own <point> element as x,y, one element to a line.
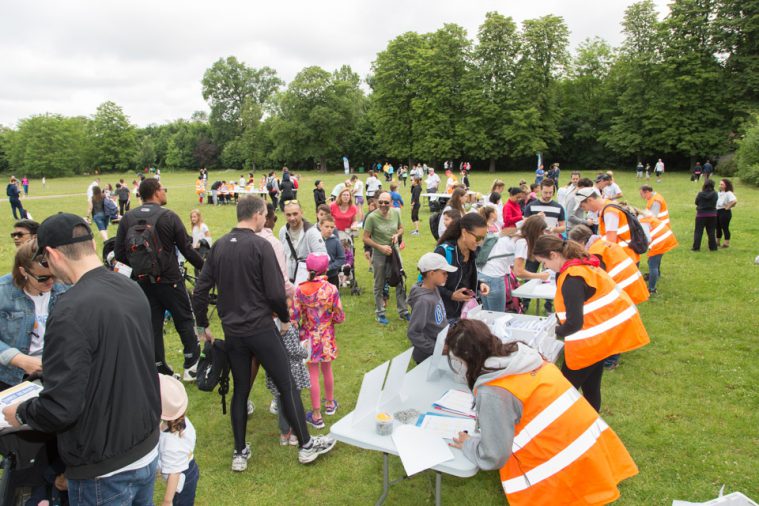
<point>127,488</point>
<point>101,220</point>
<point>187,496</point>
<point>654,263</point>
<point>496,299</point>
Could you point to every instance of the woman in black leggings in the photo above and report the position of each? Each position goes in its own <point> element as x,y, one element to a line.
<point>725,202</point>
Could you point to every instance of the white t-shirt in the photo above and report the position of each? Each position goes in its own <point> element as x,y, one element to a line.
<point>611,221</point>
<point>724,198</point>
<point>612,190</point>
<point>358,188</point>
<point>520,249</point>
<point>372,186</point>
<point>499,267</point>
<point>90,189</point>
<point>41,304</point>
<point>441,225</point>
<point>175,452</point>
<point>198,233</point>
<point>433,180</point>
<point>241,182</point>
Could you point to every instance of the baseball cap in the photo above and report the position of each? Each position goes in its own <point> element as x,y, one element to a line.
<point>173,398</point>
<point>58,230</point>
<point>603,177</point>
<point>583,193</point>
<point>434,262</point>
<point>317,262</point>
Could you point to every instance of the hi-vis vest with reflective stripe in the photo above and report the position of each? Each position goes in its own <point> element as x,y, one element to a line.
<point>622,269</point>
<point>663,210</point>
<point>662,237</point>
<point>623,230</point>
<point>611,322</point>
<point>563,452</point>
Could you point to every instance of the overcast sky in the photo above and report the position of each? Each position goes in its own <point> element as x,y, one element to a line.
<point>69,56</point>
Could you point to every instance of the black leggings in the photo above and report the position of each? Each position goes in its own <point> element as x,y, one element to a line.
<point>589,380</point>
<point>723,223</point>
<point>268,348</point>
<point>415,212</point>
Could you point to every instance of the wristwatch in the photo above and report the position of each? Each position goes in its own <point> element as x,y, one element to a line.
<point>19,418</point>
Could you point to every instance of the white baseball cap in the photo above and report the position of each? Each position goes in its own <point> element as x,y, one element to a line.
<point>434,262</point>
<point>584,193</point>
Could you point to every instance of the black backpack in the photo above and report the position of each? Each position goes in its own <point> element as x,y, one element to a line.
<point>435,223</point>
<point>396,268</point>
<point>143,249</point>
<point>638,240</point>
<point>213,370</point>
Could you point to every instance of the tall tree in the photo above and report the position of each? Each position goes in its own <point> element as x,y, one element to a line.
<point>112,138</point>
<point>226,86</point>
<point>489,97</point>
<point>48,145</point>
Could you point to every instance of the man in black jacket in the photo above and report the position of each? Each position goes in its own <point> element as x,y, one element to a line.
<point>249,294</point>
<point>167,291</point>
<point>101,395</point>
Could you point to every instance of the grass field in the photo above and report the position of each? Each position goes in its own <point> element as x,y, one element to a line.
<point>686,406</point>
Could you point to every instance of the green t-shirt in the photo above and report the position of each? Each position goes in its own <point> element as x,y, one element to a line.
<point>382,229</point>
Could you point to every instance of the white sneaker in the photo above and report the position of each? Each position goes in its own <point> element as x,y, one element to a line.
<point>251,407</point>
<point>191,373</point>
<point>319,446</point>
<point>273,408</point>
<point>240,459</point>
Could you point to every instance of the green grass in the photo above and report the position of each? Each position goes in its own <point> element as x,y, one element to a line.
<point>686,406</point>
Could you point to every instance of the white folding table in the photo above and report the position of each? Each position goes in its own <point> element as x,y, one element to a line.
<point>536,289</point>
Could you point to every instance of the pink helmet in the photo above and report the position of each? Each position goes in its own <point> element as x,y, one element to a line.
<point>317,262</point>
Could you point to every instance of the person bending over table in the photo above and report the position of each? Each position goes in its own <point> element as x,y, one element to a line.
<point>549,444</point>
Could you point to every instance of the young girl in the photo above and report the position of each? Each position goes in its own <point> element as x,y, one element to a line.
<point>176,445</point>
<point>296,353</point>
<point>318,308</point>
<point>491,218</point>
<point>199,229</point>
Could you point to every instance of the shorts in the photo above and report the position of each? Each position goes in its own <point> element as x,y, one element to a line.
<point>415,212</point>
<point>359,199</point>
<point>101,220</point>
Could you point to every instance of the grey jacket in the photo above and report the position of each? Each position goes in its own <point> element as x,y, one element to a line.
<point>498,411</point>
<point>309,241</point>
<point>428,318</point>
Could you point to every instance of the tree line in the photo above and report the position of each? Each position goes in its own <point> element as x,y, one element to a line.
<point>682,88</point>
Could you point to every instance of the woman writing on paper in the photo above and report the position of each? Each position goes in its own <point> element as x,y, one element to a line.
<point>550,445</point>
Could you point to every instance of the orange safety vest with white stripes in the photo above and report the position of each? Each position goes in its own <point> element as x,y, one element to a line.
<point>662,237</point>
<point>621,268</point>
<point>199,187</point>
<point>563,452</point>
<point>663,210</point>
<point>611,322</point>
<point>623,230</point>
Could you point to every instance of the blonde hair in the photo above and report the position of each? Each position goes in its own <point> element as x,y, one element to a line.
<point>200,216</point>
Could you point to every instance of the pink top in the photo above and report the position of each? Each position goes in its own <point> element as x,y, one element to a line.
<point>343,220</point>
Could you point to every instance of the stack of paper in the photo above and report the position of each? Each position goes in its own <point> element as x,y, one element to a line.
<point>446,427</point>
<point>19,393</point>
<point>419,449</point>
<point>457,402</point>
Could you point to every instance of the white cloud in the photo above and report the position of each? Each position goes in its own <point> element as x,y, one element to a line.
<point>149,57</point>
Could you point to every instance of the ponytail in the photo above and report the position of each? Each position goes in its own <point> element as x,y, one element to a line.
<point>312,275</point>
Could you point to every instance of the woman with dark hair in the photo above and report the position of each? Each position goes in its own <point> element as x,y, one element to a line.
<point>287,191</point>
<point>457,203</point>
<point>459,245</point>
<point>97,211</point>
<point>725,202</point>
<point>706,216</point>
<point>529,417</point>
<point>272,187</point>
<point>494,201</point>
<point>533,228</point>
<point>596,319</point>
<point>512,210</point>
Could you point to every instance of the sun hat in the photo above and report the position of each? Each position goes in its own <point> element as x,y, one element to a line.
<point>434,262</point>
<point>317,262</point>
<point>173,398</point>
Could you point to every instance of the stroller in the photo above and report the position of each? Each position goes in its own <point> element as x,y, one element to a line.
<point>347,274</point>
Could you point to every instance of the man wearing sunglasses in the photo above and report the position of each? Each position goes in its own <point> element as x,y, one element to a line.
<point>165,291</point>
<point>24,231</point>
<point>382,230</point>
<point>299,238</point>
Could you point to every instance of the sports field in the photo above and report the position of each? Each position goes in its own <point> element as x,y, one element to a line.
<point>686,406</point>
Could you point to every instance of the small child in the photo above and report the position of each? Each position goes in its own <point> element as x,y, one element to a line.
<point>296,354</point>
<point>318,308</point>
<point>428,316</point>
<point>395,196</point>
<point>176,445</point>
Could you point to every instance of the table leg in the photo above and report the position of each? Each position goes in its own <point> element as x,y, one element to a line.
<point>537,307</point>
<point>438,488</point>
<point>385,479</point>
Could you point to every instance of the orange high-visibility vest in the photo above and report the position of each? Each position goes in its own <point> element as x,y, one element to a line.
<point>611,322</point>
<point>563,452</point>
<point>662,237</point>
<point>621,269</point>
<point>623,230</point>
<point>199,187</point>
<point>663,209</point>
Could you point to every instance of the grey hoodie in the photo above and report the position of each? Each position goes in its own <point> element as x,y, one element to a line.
<point>498,411</point>
<point>428,318</point>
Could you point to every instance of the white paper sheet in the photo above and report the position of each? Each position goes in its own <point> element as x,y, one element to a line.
<point>394,382</point>
<point>446,427</point>
<point>15,394</point>
<point>438,363</point>
<point>419,449</point>
<point>369,395</point>
<point>457,401</point>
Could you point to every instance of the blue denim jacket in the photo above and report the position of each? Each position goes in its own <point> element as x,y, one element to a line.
<point>16,325</point>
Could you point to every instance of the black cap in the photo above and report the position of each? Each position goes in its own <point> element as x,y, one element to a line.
<point>603,177</point>
<point>58,230</point>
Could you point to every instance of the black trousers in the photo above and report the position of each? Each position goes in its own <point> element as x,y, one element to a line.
<point>588,380</point>
<point>710,224</point>
<point>174,299</point>
<point>268,348</point>
<point>723,223</point>
<point>273,199</point>
<point>16,204</point>
<point>123,206</point>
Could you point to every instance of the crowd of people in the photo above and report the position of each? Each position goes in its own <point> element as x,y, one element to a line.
<point>583,235</point>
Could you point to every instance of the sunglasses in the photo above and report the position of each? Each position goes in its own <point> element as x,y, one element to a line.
<point>478,238</point>
<point>19,235</point>
<point>164,189</point>
<point>288,202</point>
<point>40,279</point>
<point>383,202</point>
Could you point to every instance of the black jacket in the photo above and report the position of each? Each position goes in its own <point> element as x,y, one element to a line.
<point>101,393</point>
<point>171,233</point>
<point>706,202</point>
<point>287,190</point>
<point>249,281</point>
<point>320,197</point>
<point>464,277</point>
